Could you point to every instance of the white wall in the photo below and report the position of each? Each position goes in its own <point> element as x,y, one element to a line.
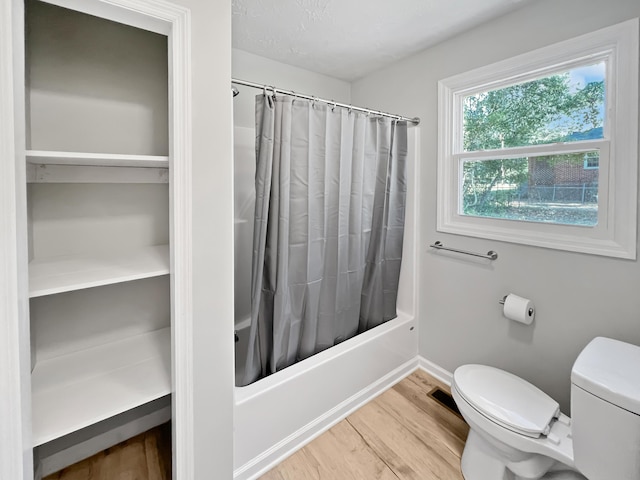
<point>89,90</point>
<point>69,219</point>
<point>577,296</point>
<point>253,68</point>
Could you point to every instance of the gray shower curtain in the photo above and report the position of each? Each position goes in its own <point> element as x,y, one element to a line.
<point>329,222</point>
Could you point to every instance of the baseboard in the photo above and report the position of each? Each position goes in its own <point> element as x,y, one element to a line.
<point>52,461</point>
<point>276,454</point>
<point>435,370</point>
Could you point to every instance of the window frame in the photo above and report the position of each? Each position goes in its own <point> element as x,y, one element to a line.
<point>615,233</point>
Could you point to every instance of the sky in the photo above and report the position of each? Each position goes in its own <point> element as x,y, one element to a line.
<point>581,76</point>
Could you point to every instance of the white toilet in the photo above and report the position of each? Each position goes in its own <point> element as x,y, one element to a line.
<point>517,431</point>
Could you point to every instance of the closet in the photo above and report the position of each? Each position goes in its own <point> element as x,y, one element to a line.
<point>98,221</point>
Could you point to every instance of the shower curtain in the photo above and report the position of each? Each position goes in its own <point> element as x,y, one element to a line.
<point>329,222</point>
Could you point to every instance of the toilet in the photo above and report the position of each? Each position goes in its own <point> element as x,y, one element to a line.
<point>517,431</point>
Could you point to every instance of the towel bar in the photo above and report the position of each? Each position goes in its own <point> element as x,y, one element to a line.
<point>490,255</point>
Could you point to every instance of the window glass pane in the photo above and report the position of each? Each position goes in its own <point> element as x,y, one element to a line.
<point>563,107</point>
<point>550,189</point>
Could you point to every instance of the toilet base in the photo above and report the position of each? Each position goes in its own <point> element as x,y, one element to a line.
<point>479,461</point>
<point>484,460</point>
<point>492,460</point>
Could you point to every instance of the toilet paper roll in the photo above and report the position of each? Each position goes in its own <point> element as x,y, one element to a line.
<point>519,309</point>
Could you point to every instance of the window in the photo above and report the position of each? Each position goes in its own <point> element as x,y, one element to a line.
<point>591,160</point>
<point>541,149</point>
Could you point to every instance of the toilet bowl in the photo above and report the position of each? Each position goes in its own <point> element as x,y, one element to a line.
<point>518,433</point>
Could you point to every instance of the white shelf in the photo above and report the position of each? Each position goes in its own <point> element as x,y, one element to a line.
<point>74,391</point>
<point>75,272</point>
<point>46,157</point>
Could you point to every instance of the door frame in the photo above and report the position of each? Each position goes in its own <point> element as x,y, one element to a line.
<point>174,21</point>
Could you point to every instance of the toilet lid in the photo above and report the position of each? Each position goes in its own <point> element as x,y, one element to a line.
<point>507,399</point>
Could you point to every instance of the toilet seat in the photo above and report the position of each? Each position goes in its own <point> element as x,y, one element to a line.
<point>506,399</point>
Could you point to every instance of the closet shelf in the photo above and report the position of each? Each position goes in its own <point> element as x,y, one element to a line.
<point>48,276</point>
<point>47,157</point>
<point>76,390</point>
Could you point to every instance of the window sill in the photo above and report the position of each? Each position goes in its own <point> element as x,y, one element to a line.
<point>543,236</point>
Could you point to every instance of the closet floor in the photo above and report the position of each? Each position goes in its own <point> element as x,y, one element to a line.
<point>402,434</point>
<point>144,457</point>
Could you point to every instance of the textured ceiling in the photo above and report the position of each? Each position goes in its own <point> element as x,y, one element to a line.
<point>348,39</point>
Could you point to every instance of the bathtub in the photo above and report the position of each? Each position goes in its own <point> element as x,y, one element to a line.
<point>276,415</point>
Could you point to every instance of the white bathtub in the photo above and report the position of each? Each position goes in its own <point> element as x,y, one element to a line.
<point>280,413</point>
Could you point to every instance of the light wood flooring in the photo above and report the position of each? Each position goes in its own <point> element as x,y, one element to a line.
<point>144,457</point>
<point>400,435</point>
<point>403,434</point>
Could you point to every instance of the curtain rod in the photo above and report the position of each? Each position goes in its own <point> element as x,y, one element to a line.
<point>414,120</point>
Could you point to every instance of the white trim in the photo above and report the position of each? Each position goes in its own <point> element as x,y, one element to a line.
<point>276,454</point>
<point>15,441</point>
<point>615,234</point>
<point>180,118</point>
<point>435,370</point>
<point>534,150</point>
<point>154,15</point>
<point>148,15</point>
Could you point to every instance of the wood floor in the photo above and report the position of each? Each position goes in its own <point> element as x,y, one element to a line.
<point>402,434</point>
<point>145,457</point>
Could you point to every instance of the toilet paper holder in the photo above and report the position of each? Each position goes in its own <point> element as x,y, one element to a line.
<point>504,299</point>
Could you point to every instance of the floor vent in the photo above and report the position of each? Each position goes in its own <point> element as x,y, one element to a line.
<point>444,399</point>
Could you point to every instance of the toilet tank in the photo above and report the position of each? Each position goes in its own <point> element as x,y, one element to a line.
<point>605,410</point>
